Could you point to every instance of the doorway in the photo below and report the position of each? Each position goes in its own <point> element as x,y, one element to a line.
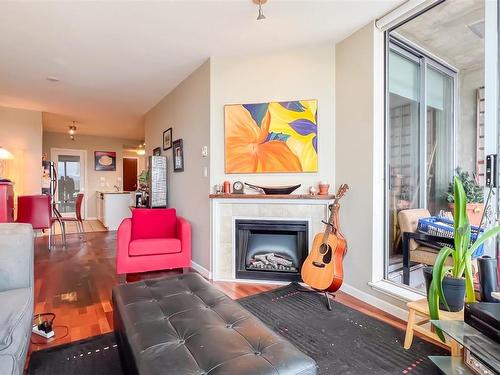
<point>130,172</point>
<point>71,179</point>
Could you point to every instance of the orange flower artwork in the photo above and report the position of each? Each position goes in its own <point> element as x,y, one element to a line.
<point>271,137</point>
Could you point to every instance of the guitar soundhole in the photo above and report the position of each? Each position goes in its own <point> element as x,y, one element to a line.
<point>326,251</point>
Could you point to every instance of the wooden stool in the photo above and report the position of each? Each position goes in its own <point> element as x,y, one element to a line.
<point>415,323</point>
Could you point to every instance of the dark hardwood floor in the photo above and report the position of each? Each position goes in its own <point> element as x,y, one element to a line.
<point>75,283</point>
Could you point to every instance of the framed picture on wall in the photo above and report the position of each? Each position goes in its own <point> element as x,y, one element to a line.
<point>157,151</point>
<point>105,160</point>
<point>286,134</point>
<point>178,156</point>
<point>167,139</point>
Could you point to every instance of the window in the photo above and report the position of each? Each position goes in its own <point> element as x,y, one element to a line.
<point>420,152</point>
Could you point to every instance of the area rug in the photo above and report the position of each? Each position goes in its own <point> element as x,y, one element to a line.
<point>95,356</point>
<point>342,341</point>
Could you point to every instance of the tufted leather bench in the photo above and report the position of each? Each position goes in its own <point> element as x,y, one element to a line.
<point>183,325</point>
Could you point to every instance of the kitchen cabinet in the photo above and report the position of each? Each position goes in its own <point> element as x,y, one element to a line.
<point>113,207</point>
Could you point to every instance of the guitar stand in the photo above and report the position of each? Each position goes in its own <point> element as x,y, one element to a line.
<point>325,293</point>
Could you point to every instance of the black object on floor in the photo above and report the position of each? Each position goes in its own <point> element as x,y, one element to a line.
<point>342,341</point>
<point>95,356</point>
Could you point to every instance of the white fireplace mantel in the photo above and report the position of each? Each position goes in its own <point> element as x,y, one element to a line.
<point>228,208</point>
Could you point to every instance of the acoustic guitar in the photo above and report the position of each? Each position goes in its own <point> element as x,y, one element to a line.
<point>323,268</point>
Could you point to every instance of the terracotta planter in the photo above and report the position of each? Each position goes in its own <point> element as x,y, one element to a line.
<point>474,212</point>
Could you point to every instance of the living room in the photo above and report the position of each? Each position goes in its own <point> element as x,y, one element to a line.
<point>261,139</point>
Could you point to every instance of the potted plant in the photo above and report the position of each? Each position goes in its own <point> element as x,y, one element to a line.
<point>143,180</point>
<point>474,194</point>
<point>450,284</point>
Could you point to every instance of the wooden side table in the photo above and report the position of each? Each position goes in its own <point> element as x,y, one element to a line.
<point>418,316</point>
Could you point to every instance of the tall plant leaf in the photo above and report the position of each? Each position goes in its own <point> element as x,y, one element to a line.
<point>438,274</point>
<point>491,232</point>
<point>460,220</point>
<point>433,300</point>
<point>470,295</point>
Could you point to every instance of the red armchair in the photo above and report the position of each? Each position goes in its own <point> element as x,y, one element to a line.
<point>153,239</point>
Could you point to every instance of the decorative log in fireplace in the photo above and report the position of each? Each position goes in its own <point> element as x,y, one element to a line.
<point>272,261</point>
<point>270,249</point>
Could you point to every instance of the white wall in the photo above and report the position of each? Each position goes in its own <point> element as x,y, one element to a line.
<point>187,111</point>
<point>21,134</point>
<point>359,157</point>
<point>301,73</point>
<point>91,143</point>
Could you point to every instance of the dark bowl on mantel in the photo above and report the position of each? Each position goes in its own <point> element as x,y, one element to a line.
<point>274,190</point>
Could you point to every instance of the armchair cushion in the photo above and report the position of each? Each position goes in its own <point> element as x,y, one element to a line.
<point>408,222</point>
<point>154,246</point>
<point>154,223</point>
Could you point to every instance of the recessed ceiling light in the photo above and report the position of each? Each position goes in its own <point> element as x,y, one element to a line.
<point>52,79</point>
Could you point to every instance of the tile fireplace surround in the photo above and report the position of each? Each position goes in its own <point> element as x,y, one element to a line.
<point>228,208</point>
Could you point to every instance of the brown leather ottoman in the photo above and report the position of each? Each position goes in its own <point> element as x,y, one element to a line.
<point>183,325</point>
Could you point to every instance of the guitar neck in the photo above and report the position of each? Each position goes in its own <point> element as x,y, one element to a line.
<point>331,221</point>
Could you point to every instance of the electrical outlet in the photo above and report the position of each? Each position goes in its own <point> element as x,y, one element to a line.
<point>204,151</point>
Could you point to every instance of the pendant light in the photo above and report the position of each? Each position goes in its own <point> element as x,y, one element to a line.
<point>72,131</point>
<point>260,16</point>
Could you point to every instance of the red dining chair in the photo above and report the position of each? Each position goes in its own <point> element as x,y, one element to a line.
<point>37,211</point>
<point>78,214</point>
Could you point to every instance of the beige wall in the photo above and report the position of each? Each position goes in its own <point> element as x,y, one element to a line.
<point>301,73</point>
<point>90,144</point>
<point>21,134</point>
<point>187,111</point>
<point>469,81</point>
<point>359,155</point>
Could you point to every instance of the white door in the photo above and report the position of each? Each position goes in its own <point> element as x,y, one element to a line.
<point>71,179</point>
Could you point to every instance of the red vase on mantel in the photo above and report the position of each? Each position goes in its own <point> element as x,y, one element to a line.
<point>474,212</point>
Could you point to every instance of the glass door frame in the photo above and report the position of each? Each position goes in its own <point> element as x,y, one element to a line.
<point>411,51</point>
<point>54,153</point>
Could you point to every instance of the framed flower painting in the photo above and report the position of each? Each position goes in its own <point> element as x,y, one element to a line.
<point>275,137</point>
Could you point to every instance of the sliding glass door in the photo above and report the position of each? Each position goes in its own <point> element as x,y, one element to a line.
<point>419,141</point>
<point>439,137</point>
<point>403,138</point>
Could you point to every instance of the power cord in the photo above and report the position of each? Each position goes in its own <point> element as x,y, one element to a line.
<point>47,326</point>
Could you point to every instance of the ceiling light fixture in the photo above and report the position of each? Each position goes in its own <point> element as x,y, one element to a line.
<point>260,16</point>
<point>72,131</point>
<point>141,151</point>
<point>52,79</point>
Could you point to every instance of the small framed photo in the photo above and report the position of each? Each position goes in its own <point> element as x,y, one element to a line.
<point>157,151</point>
<point>178,156</point>
<point>105,160</point>
<point>167,139</point>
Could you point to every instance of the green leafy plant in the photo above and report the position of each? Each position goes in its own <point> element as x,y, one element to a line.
<point>461,255</point>
<point>473,191</point>
<point>143,177</point>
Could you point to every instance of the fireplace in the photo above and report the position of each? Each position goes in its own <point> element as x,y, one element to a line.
<point>270,249</point>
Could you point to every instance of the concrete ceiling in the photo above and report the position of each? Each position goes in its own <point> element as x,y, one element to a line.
<point>444,31</point>
<point>115,60</point>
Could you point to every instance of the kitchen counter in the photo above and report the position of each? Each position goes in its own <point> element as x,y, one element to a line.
<point>113,207</point>
<point>114,192</point>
